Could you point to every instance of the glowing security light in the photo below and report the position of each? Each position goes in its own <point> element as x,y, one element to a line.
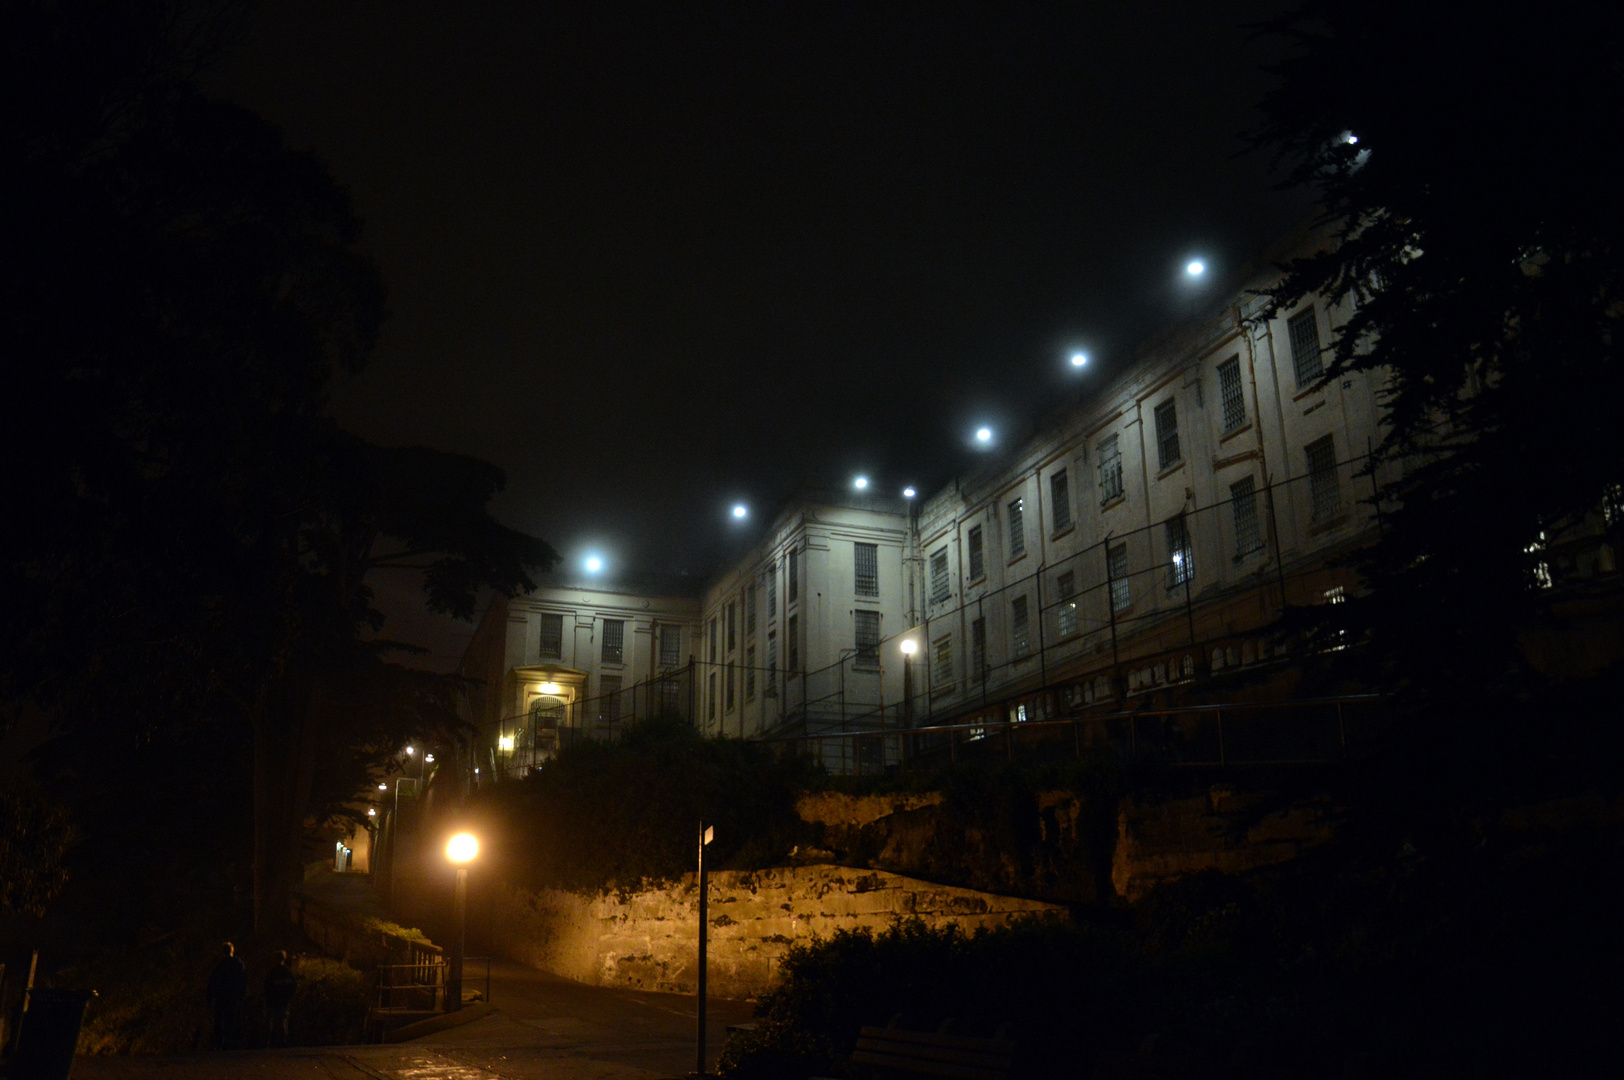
<point>908,646</point>
<point>593,564</point>
<point>462,848</point>
<point>383,787</point>
<point>372,812</point>
<point>740,511</point>
<point>1350,138</point>
<point>1079,359</point>
<point>908,493</point>
<point>504,743</point>
<point>429,758</point>
<point>984,435</point>
<point>548,688</point>
<point>410,751</point>
<point>1195,268</point>
<point>860,483</point>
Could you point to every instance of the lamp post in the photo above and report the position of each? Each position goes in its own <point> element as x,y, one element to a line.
<point>460,851</point>
<point>909,646</point>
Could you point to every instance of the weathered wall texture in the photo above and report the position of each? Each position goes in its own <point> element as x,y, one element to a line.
<point>647,940</point>
<point>1221,829</point>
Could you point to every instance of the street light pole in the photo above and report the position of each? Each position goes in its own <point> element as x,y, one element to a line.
<point>706,834</point>
<point>461,851</point>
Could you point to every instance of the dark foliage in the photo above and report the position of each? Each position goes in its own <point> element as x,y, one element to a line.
<point>607,815</point>
<point>1479,243</point>
<point>35,835</point>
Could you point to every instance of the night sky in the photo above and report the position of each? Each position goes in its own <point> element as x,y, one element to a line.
<point>656,259</point>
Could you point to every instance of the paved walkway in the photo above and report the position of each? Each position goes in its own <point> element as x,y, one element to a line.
<point>543,1027</point>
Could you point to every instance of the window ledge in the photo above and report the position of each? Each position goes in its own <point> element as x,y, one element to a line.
<point>1312,389</point>
<point>1171,469</point>
<point>1058,533</point>
<point>1329,525</point>
<point>1114,501</point>
<point>1242,430</point>
<point>1017,559</point>
<point>973,582</point>
<point>1243,556</point>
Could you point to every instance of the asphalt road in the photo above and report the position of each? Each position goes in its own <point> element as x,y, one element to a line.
<point>543,1026</point>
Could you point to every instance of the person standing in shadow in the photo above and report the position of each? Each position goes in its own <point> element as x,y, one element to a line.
<point>228,992</point>
<point>280,983</point>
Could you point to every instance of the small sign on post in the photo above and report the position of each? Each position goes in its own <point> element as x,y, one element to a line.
<point>707,833</point>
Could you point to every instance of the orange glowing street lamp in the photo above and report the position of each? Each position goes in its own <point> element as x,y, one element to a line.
<point>460,850</point>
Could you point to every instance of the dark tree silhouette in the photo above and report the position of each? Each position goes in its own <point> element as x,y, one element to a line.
<point>1466,167</point>
<point>190,534</point>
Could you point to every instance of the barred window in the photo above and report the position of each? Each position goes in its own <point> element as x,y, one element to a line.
<point>772,663</point>
<point>1167,434</point>
<point>867,560</point>
<point>732,625</point>
<point>728,684</point>
<point>750,610</point>
<point>868,639</point>
<point>1110,454</point>
<point>1307,359</point>
<point>750,673</point>
<point>772,590</point>
<point>1017,528</point>
<point>1323,496</point>
<point>710,697</point>
<point>713,639</point>
<point>1243,507</point>
<point>793,590</point>
<point>1020,636</point>
<point>609,698</point>
<point>552,637</point>
<point>978,649</point>
<point>941,662</point>
<point>1116,569</point>
<point>614,641</point>
<point>1230,393</point>
<point>792,647</point>
<point>1066,584</point>
<point>670,646</point>
<point>1060,496</point>
<point>978,565</point>
<point>670,695</point>
<point>940,587</point>
<point>1180,563</point>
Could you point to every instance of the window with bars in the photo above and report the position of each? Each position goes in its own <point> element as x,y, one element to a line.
<point>1020,635</point>
<point>1180,558</point>
<point>978,563</point>
<point>750,673</point>
<point>868,639</point>
<point>772,663</point>
<point>792,646</point>
<point>941,587</point>
<point>609,698</point>
<point>552,637</point>
<point>732,625</point>
<point>1110,455</point>
<point>1060,496</point>
<point>1323,496</point>
<point>1017,528</point>
<point>792,591</point>
<point>772,590</point>
<point>978,648</point>
<point>1243,509</point>
<point>710,697</point>
<point>670,646</point>
<point>713,650</point>
<point>670,695</point>
<point>941,662</point>
<point>728,683</point>
<point>1116,570</point>
<point>750,610</point>
<point>1230,395</point>
<point>1307,359</point>
<point>614,641</point>
<point>866,558</point>
<point>1066,585</point>
<point>1167,434</point>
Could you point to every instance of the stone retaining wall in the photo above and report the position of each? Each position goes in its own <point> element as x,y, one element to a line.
<point>648,940</point>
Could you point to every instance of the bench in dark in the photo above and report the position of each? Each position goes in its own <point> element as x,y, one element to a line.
<point>935,1053</point>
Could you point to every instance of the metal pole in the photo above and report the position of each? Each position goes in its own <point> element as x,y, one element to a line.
<point>705,835</point>
<point>453,988</point>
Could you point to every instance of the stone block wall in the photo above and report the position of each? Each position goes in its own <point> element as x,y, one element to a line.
<point>649,940</point>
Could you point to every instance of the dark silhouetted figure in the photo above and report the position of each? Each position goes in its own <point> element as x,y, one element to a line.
<point>280,983</point>
<point>228,990</point>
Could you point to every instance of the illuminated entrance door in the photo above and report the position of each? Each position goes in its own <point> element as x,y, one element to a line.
<point>546,717</point>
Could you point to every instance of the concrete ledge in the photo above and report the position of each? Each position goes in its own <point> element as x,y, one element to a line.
<point>465,1015</point>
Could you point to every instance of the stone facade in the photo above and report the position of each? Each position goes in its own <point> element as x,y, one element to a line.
<point>648,940</point>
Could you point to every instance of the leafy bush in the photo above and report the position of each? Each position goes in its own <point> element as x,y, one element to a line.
<point>1060,987</point>
<point>606,815</point>
<point>330,1006</point>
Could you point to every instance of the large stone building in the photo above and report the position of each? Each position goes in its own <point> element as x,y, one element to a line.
<point>1139,541</point>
